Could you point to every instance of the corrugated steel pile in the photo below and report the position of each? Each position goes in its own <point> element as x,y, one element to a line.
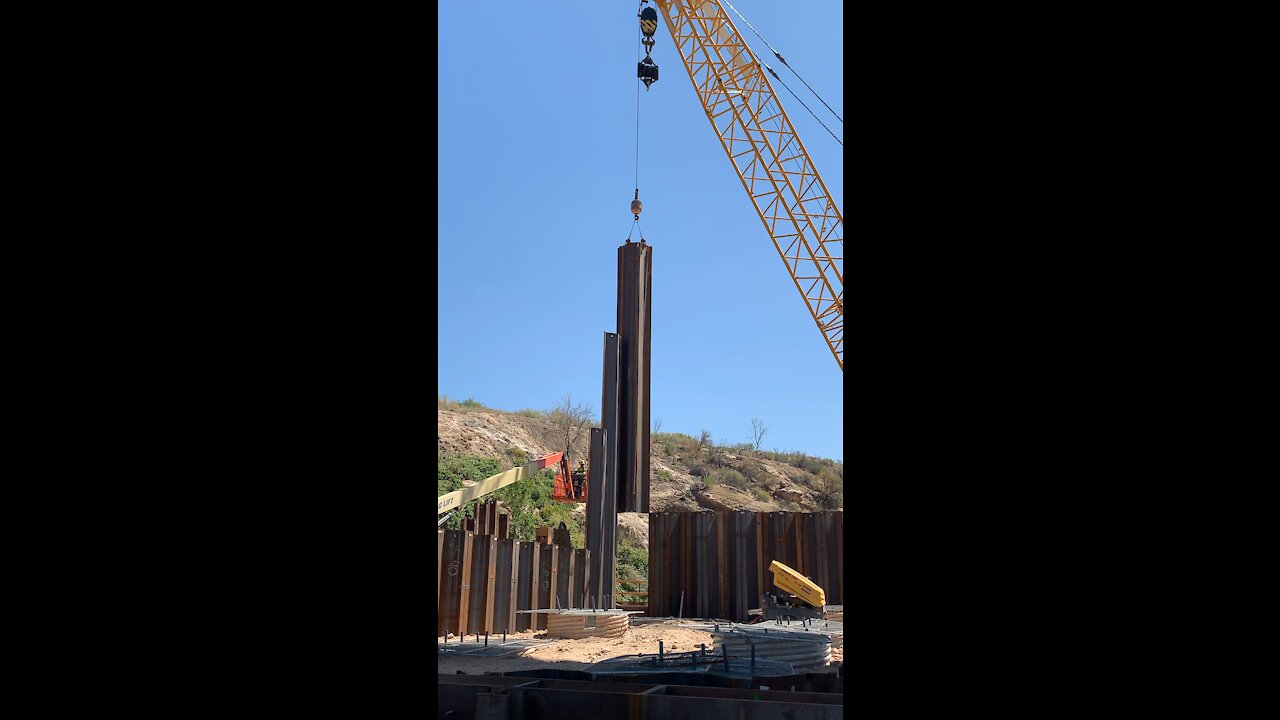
<point>716,564</point>
<point>483,581</point>
<point>801,649</point>
<point>585,623</point>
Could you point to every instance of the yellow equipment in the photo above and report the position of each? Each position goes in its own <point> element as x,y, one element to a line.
<point>789,195</point>
<point>799,597</point>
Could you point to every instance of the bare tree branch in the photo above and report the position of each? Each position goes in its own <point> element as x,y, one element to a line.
<point>571,421</point>
<point>758,431</point>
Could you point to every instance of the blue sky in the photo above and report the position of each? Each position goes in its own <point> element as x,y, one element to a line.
<point>537,113</point>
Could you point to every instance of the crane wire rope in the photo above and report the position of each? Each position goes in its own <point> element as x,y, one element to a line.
<point>793,72</point>
<point>806,107</point>
<point>635,224</point>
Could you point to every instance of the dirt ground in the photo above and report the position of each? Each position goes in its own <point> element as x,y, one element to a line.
<point>579,654</point>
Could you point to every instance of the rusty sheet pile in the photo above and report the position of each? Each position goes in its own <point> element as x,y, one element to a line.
<point>715,564</point>
<point>483,582</point>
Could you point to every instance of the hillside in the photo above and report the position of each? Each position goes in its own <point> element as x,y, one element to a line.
<point>685,476</point>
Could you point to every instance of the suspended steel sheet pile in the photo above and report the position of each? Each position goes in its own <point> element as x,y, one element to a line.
<point>635,321</point>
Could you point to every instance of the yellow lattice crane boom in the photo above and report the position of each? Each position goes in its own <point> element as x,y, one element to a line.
<point>793,202</point>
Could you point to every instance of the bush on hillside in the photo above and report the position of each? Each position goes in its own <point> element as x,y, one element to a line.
<point>674,443</point>
<point>517,456</point>
<point>729,477</point>
<point>633,561</point>
<point>830,487</point>
<point>753,470</point>
<point>444,403</point>
<point>716,457</point>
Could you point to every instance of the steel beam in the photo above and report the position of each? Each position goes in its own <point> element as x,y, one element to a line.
<point>635,304</point>
<point>602,524</point>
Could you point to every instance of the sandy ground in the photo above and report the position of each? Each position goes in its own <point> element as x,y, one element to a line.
<point>579,654</point>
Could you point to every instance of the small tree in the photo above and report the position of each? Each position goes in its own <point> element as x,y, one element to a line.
<point>704,439</point>
<point>571,421</point>
<point>830,487</point>
<point>758,431</point>
<point>657,425</point>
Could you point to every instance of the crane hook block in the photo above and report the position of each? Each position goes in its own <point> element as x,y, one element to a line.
<point>648,21</point>
<point>647,71</point>
<point>636,207</point>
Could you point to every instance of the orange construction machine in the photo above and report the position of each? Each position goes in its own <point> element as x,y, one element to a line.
<point>570,487</point>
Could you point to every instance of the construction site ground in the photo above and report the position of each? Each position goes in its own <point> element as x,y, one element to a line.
<point>564,654</point>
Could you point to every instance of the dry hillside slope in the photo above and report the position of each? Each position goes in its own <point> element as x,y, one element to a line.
<point>685,476</point>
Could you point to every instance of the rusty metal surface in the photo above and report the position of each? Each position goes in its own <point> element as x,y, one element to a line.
<point>611,386</point>
<point>543,587</point>
<point>635,322</point>
<point>477,579</point>
<point>526,557</point>
<point>720,560</point>
<point>602,516</point>
<point>602,524</point>
<point>486,582</point>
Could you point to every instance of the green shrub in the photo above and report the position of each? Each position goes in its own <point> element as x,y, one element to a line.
<point>761,494</point>
<point>633,563</point>
<point>452,470</point>
<point>809,464</point>
<point>665,475</point>
<point>517,456</point>
<point>676,442</point>
<point>699,469</point>
<point>830,487</point>
<point>444,403</point>
<point>530,413</point>
<point>753,470</point>
<point>729,477</point>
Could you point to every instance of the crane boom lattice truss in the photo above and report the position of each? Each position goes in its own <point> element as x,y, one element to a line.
<point>798,212</point>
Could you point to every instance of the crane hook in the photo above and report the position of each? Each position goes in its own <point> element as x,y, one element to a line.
<point>636,206</point>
